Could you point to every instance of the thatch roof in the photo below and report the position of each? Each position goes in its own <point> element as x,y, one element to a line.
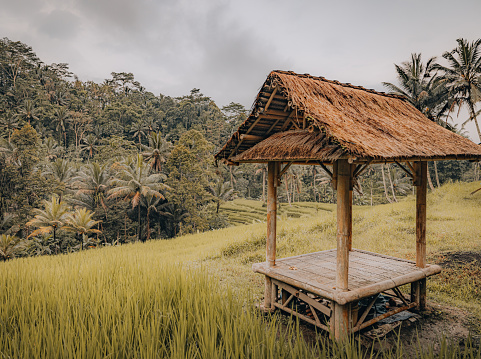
<point>307,118</point>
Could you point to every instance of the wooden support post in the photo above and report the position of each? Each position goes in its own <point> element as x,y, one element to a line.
<point>272,170</point>
<point>342,312</point>
<point>349,212</point>
<point>419,287</point>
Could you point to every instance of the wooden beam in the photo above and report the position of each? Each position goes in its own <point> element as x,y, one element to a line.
<point>272,127</point>
<point>421,191</point>
<point>271,98</point>
<point>272,169</point>
<point>344,176</point>
<point>404,169</point>
<point>284,170</point>
<point>325,169</point>
<point>251,137</point>
<point>362,169</point>
<point>284,126</point>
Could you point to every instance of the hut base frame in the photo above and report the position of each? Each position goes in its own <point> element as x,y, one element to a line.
<point>304,286</point>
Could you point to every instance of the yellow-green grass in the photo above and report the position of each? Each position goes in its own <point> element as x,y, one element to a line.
<point>193,295</point>
<point>244,211</point>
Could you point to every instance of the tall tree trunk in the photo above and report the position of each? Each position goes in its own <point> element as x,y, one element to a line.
<point>473,116</point>
<point>125,227</point>
<point>384,184</point>
<point>55,239</point>
<point>148,224</point>
<point>287,191</point>
<point>263,185</point>
<point>371,194</point>
<point>436,173</point>
<point>390,181</point>
<point>429,178</point>
<point>140,228</point>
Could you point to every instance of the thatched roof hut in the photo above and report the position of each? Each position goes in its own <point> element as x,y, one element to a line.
<point>302,119</point>
<point>309,119</point>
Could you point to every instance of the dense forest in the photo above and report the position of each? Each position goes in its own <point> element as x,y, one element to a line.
<point>84,164</point>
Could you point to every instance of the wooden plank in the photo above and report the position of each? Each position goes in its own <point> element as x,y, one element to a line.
<point>303,317</point>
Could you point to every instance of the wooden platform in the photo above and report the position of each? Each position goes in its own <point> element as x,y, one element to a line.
<point>369,273</point>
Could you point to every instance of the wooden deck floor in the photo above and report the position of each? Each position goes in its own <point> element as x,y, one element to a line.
<point>369,273</point>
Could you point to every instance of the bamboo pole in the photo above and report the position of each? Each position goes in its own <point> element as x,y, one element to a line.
<point>272,170</point>
<point>419,287</point>
<point>342,312</point>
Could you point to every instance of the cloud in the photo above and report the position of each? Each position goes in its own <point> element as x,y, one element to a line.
<point>58,24</point>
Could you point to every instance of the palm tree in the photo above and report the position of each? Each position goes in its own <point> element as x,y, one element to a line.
<point>8,122</point>
<point>52,148</point>
<point>420,84</point>
<point>150,202</point>
<point>82,223</point>
<point>61,171</point>
<point>92,182</point>
<point>61,119</point>
<point>28,112</point>
<point>10,246</point>
<point>89,144</point>
<point>463,76</point>
<point>221,192</point>
<point>135,182</point>
<point>157,151</point>
<point>50,219</point>
<point>138,130</point>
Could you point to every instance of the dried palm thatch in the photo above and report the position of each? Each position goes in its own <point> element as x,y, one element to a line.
<point>349,121</point>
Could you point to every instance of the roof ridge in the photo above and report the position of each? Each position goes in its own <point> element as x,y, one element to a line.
<point>335,82</point>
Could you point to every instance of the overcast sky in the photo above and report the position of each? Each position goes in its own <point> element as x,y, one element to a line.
<point>226,48</point>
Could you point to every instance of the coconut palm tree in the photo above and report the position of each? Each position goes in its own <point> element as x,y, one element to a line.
<point>62,116</point>
<point>81,223</point>
<point>150,202</point>
<point>93,180</point>
<point>135,182</point>
<point>463,76</point>
<point>28,111</point>
<point>221,192</point>
<point>50,219</point>
<point>10,246</point>
<point>89,144</point>
<point>157,151</point>
<point>52,148</point>
<point>8,122</point>
<point>61,171</point>
<point>420,84</point>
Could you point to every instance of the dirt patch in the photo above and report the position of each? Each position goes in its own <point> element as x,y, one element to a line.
<point>437,322</point>
<point>434,325</point>
<point>454,259</point>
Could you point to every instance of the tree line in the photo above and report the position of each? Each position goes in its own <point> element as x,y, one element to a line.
<point>84,164</point>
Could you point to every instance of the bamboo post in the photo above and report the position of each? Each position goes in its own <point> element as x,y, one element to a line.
<point>419,287</point>
<point>272,169</point>
<point>341,312</point>
<point>351,186</point>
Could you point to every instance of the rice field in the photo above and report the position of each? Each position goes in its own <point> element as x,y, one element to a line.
<point>193,296</point>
